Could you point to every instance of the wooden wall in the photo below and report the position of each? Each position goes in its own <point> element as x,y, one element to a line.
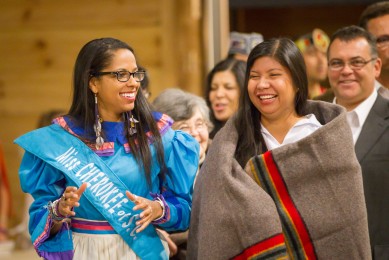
<point>40,39</point>
<point>294,21</point>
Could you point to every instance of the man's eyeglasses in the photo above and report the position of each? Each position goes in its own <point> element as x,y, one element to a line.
<point>123,75</point>
<point>382,41</point>
<point>354,64</point>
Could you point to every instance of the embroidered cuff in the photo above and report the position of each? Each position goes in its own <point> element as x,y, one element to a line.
<point>165,209</point>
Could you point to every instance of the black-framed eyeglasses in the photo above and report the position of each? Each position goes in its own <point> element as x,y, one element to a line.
<point>123,75</point>
<point>354,64</point>
<point>382,41</point>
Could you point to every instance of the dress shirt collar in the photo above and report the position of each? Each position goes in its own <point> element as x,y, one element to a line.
<point>363,109</point>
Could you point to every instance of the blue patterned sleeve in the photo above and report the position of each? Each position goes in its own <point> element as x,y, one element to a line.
<point>44,183</point>
<point>182,159</point>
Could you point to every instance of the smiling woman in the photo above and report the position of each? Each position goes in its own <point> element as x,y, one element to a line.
<point>190,114</point>
<point>224,86</point>
<point>116,92</point>
<point>272,92</point>
<point>111,167</point>
<point>272,176</point>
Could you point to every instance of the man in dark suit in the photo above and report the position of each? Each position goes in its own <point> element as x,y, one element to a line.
<point>352,68</point>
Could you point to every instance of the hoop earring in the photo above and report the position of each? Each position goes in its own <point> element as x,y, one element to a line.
<point>131,121</point>
<point>97,126</point>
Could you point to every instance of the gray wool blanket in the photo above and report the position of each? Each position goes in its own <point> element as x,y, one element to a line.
<point>300,201</point>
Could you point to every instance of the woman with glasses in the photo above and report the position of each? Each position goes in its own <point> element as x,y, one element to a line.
<point>191,115</point>
<point>281,179</point>
<point>104,175</point>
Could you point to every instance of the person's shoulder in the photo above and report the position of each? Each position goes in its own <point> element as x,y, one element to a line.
<point>382,99</point>
<point>324,105</point>
<point>381,106</point>
<point>384,92</point>
<point>323,111</point>
<point>163,121</point>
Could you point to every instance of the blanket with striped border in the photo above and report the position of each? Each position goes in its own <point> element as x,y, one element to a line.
<point>300,201</point>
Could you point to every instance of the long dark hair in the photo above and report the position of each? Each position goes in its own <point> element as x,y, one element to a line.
<point>247,122</point>
<point>94,57</point>
<point>237,67</point>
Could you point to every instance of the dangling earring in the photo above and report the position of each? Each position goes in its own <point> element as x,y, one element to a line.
<point>97,126</point>
<point>131,121</point>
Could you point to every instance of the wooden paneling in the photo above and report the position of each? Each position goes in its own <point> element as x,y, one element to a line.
<point>189,68</point>
<point>39,64</point>
<point>294,21</point>
<point>51,49</point>
<point>57,15</point>
<point>10,128</point>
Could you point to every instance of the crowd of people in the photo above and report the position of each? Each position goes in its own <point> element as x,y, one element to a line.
<point>285,157</point>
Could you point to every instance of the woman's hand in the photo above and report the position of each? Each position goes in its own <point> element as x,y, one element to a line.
<point>151,210</point>
<point>70,199</point>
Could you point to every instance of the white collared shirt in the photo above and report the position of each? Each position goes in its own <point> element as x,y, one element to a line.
<point>357,117</point>
<point>304,127</point>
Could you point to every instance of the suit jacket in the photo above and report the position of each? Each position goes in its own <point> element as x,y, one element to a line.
<point>329,95</point>
<point>384,92</point>
<point>372,150</point>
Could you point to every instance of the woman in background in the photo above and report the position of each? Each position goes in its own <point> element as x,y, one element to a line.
<point>191,115</point>
<point>223,88</point>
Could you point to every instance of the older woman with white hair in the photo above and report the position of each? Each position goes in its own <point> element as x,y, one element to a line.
<point>189,112</point>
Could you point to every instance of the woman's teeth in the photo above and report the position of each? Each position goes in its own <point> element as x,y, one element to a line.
<point>267,97</point>
<point>127,95</point>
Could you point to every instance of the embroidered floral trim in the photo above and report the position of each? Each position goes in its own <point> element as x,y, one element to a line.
<point>164,122</point>
<point>165,211</point>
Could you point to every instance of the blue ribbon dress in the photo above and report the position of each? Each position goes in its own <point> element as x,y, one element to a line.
<point>46,183</point>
